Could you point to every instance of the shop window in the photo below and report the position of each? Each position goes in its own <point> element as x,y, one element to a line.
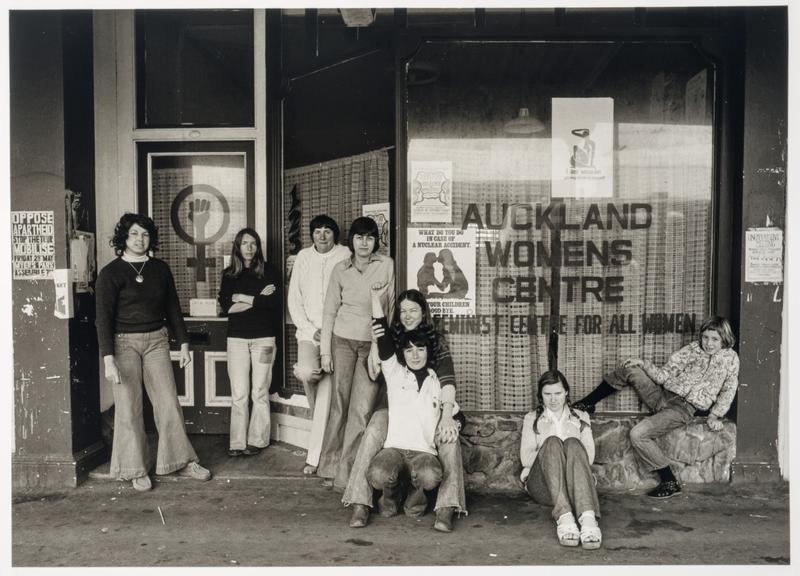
<point>194,68</point>
<point>559,202</point>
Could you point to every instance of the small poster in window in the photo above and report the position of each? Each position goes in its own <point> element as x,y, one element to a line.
<point>431,191</point>
<point>441,265</point>
<point>764,255</point>
<point>380,213</point>
<point>583,148</point>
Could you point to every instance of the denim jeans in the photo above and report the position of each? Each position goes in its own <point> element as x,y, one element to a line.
<point>144,357</point>
<point>358,491</point>
<point>670,412</point>
<point>561,477</point>
<point>317,386</point>
<point>352,402</point>
<point>250,357</point>
<point>391,466</point>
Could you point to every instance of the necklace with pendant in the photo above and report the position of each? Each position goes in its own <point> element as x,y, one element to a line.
<point>139,277</point>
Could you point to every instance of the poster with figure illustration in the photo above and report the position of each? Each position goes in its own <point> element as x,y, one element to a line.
<point>441,265</point>
<point>431,191</point>
<point>380,213</point>
<point>583,148</point>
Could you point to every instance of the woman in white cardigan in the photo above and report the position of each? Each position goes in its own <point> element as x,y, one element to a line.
<point>557,450</point>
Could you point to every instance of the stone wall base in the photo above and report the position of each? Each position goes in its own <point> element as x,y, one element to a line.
<point>490,449</point>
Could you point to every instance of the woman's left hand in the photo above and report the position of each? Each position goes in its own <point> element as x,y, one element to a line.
<point>268,289</point>
<point>186,358</point>
<point>447,430</point>
<point>714,423</point>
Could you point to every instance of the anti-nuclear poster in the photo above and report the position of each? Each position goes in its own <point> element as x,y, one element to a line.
<point>441,265</point>
<point>583,148</point>
<point>431,191</point>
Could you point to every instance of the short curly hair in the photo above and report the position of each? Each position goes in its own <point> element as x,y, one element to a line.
<point>127,220</point>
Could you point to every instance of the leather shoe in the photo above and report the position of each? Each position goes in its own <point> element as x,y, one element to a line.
<point>360,516</point>
<point>444,519</point>
<point>142,483</point>
<point>251,450</point>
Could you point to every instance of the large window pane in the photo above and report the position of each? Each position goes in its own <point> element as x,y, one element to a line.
<point>586,169</point>
<point>194,68</point>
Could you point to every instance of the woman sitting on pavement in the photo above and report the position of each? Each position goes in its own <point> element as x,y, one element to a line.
<point>700,376</point>
<point>415,408</point>
<point>557,450</point>
<point>412,313</point>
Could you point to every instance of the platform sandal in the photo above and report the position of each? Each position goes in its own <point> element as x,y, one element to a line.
<point>567,531</point>
<point>591,537</point>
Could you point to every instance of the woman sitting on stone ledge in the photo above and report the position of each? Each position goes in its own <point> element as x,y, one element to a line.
<point>557,450</point>
<point>701,376</point>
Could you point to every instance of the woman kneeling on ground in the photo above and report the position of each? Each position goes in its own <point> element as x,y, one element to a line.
<point>412,313</point>
<point>415,408</point>
<point>557,450</point>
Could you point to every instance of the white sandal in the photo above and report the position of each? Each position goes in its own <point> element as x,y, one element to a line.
<point>568,533</point>
<point>591,537</point>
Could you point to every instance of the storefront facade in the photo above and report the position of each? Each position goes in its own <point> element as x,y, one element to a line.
<point>566,186</point>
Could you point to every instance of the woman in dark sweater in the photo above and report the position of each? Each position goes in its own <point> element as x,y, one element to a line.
<point>136,302</point>
<point>251,299</point>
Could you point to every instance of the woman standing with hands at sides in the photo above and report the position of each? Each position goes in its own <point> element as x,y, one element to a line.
<point>413,313</point>
<point>557,450</point>
<point>136,302</point>
<point>345,344</point>
<point>251,299</point>
<point>309,281</point>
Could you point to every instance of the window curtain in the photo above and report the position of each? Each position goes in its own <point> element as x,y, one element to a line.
<point>338,188</point>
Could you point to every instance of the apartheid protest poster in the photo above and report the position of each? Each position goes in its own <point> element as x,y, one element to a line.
<point>583,148</point>
<point>33,244</point>
<point>431,191</point>
<point>764,255</point>
<point>441,265</point>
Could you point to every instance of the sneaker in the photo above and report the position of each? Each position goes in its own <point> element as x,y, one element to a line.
<point>665,489</point>
<point>360,516</point>
<point>444,519</point>
<point>194,470</point>
<point>142,483</point>
<point>251,450</point>
<point>588,408</point>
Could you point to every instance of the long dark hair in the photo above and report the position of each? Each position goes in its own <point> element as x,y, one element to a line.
<point>546,379</point>
<point>237,262</point>
<point>397,330</point>
<point>123,227</point>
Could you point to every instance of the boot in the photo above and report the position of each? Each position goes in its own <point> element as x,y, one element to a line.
<point>587,403</point>
<point>360,516</point>
<point>416,502</point>
<point>388,502</point>
<point>444,519</point>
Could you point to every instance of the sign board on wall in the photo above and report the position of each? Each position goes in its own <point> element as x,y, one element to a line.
<point>441,265</point>
<point>583,148</point>
<point>33,244</point>
<point>431,191</point>
<point>764,255</point>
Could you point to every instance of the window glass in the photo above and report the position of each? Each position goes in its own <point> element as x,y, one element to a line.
<point>575,181</point>
<point>194,68</point>
<point>199,203</point>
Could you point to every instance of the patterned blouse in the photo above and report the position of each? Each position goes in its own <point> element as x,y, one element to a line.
<point>703,380</point>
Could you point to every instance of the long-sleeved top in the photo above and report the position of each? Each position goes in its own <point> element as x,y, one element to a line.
<point>307,286</point>
<point>414,401</point>
<point>126,306</point>
<point>705,381</point>
<point>264,319</point>
<point>564,426</point>
<point>348,309</point>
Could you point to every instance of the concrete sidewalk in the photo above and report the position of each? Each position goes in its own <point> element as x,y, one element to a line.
<point>247,517</point>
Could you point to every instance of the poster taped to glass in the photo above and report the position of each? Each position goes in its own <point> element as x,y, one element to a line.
<point>583,148</point>
<point>441,265</point>
<point>431,184</point>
